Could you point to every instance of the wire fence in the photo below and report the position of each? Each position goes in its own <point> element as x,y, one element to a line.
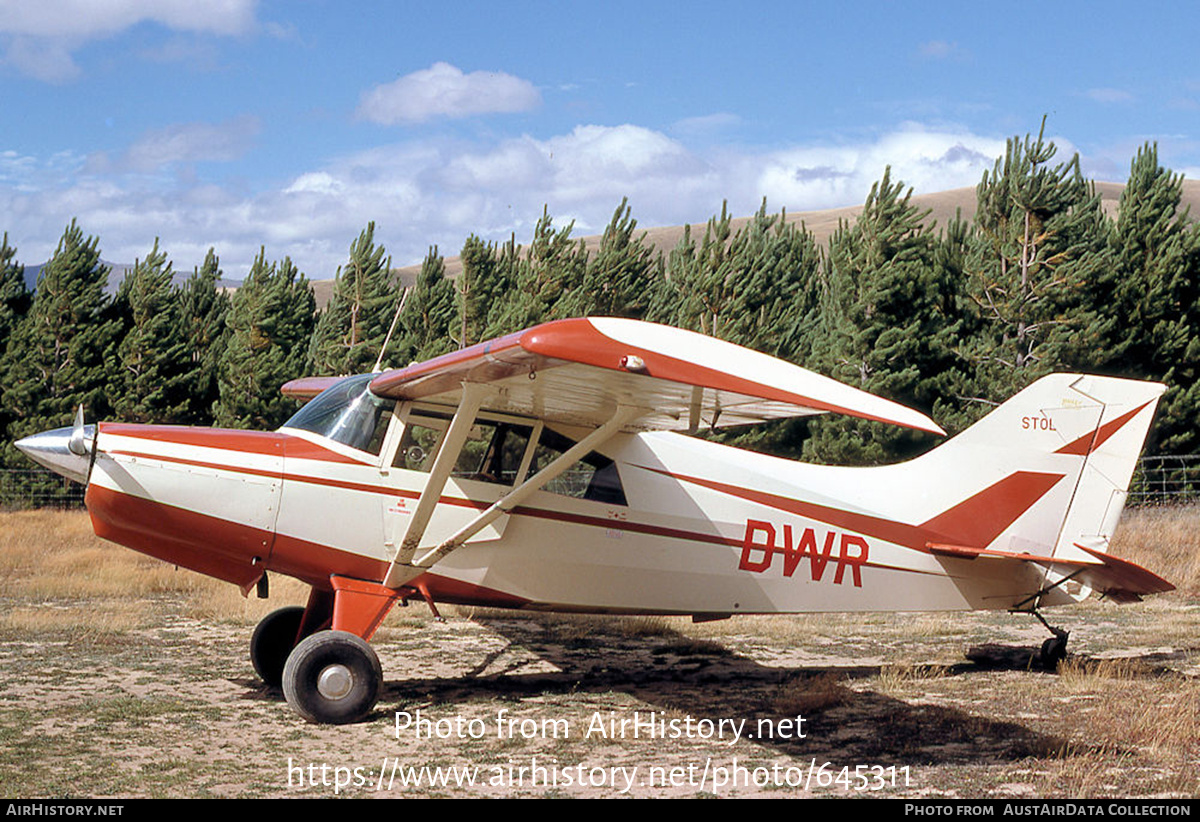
<point>1166,480</point>
<point>1156,481</point>
<point>22,488</point>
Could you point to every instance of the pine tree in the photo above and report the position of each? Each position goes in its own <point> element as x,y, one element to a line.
<point>774,276</point>
<point>56,358</point>
<point>15,297</point>
<point>203,306</point>
<point>1038,272</point>
<point>548,278</point>
<point>480,290</point>
<point>622,278</point>
<point>270,323</point>
<point>430,316</point>
<point>15,300</point>
<point>756,287</point>
<point>150,382</point>
<point>1156,252</point>
<point>891,326</point>
<point>350,331</point>
<point>698,284</point>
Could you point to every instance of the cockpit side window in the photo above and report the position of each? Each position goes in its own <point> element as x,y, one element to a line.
<point>347,413</point>
<point>492,453</point>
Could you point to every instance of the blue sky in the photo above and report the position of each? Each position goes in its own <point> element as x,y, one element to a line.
<point>238,124</point>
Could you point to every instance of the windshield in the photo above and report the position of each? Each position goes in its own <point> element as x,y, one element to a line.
<point>347,413</point>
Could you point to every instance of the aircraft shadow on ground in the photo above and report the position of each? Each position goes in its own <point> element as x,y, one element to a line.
<point>675,676</point>
<point>705,680</point>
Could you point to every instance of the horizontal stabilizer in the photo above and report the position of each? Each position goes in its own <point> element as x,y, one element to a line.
<point>1118,579</point>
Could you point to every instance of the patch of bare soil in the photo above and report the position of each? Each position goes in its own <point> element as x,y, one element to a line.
<point>147,690</point>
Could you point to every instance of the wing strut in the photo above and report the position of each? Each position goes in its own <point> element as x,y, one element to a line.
<point>472,397</point>
<point>403,569</point>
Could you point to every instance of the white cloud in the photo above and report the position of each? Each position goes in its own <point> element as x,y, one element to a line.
<point>42,59</point>
<point>423,192</point>
<point>88,19</point>
<point>316,182</point>
<point>927,160</point>
<point>38,38</point>
<point>192,142</point>
<point>442,90</point>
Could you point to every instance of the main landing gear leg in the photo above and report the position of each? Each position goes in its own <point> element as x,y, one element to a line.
<point>334,676</point>
<point>281,630</point>
<point>1054,649</point>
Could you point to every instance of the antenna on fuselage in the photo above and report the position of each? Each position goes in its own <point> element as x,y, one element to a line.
<point>388,338</point>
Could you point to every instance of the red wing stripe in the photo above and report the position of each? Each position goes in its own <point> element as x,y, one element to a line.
<point>1092,440</point>
<point>974,522</point>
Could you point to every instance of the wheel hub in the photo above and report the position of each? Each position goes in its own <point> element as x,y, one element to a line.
<point>335,682</point>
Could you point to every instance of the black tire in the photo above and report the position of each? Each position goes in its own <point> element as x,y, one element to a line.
<point>332,677</point>
<point>1054,651</point>
<point>273,640</point>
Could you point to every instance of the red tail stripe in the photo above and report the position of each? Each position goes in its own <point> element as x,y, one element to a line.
<point>974,522</point>
<point>1092,440</point>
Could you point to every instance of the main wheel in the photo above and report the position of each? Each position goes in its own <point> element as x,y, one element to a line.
<point>273,640</point>
<point>332,677</point>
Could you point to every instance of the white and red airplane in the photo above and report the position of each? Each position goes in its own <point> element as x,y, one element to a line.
<point>550,470</point>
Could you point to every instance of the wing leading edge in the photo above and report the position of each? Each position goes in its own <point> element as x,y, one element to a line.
<point>577,371</point>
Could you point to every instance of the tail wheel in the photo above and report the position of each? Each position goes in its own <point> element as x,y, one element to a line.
<point>1054,650</point>
<point>273,640</point>
<point>332,677</point>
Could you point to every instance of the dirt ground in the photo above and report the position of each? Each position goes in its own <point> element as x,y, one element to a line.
<point>108,694</point>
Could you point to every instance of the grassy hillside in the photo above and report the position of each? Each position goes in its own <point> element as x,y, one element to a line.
<point>942,206</point>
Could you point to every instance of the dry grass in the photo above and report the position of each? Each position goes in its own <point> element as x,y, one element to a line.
<point>1165,540</point>
<point>54,556</point>
<point>99,637</point>
<point>898,679</point>
<point>810,694</point>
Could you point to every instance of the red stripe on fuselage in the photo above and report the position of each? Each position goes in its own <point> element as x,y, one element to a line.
<point>460,502</point>
<point>898,533</point>
<point>269,443</point>
<point>974,522</point>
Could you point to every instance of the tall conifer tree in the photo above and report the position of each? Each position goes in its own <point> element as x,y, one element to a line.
<point>622,277</point>
<point>430,315</point>
<point>203,305</point>
<point>151,369</point>
<point>891,326</point>
<point>1038,272</point>
<point>549,274</point>
<point>270,323</point>
<point>57,356</point>
<point>1156,249</point>
<point>480,290</point>
<point>350,331</point>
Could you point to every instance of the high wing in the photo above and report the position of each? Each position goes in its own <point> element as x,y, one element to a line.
<point>579,371</point>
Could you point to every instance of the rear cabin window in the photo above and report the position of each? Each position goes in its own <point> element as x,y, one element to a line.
<point>493,453</point>
<point>593,478</point>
